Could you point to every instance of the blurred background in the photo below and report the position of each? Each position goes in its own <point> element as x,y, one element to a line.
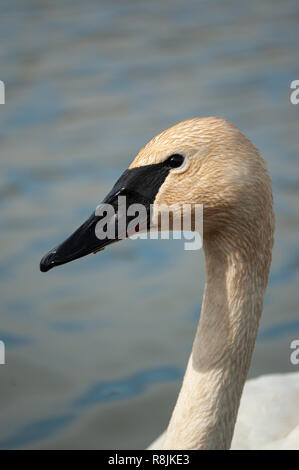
<point>96,349</point>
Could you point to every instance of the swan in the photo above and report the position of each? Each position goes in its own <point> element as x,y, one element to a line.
<point>209,161</point>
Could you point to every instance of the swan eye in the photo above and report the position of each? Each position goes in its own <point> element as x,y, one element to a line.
<point>175,161</point>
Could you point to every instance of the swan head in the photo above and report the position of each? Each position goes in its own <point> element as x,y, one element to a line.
<point>200,161</point>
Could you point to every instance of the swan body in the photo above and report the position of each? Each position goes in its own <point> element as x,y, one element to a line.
<point>208,161</point>
<point>268,417</point>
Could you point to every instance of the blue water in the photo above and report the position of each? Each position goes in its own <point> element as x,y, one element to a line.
<point>99,393</point>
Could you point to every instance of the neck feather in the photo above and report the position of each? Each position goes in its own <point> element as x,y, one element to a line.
<point>206,410</point>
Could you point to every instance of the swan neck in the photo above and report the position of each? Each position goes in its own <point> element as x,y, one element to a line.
<point>206,410</point>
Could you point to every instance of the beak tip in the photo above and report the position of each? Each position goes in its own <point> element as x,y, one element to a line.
<point>48,262</point>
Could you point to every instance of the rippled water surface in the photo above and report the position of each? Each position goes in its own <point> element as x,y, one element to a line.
<point>95,350</point>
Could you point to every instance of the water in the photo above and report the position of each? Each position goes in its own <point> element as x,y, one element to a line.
<point>95,350</point>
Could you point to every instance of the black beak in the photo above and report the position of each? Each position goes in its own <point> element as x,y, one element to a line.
<point>139,186</point>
